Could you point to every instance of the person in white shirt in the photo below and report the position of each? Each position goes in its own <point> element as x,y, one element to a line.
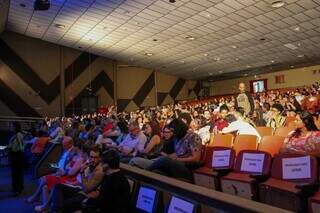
<point>238,125</point>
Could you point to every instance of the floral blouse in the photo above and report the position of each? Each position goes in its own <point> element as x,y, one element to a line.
<point>191,142</point>
<point>308,144</point>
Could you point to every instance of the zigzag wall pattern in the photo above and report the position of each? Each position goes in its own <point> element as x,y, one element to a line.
<point>49,93</point>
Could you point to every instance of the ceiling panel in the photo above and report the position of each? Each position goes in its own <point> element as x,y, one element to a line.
<point>189,38</point>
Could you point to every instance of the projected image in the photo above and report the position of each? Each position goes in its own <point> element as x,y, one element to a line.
<point>258,86</point>
<point>178,205</point>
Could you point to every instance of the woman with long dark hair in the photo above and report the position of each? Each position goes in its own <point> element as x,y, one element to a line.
<point>305,138</point>
<point>16,154</point>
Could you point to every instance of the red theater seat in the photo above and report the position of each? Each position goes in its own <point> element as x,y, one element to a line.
<point>265,131</point>
<point>209,175</point>
<point>245,142</point>
<point>293,180</point>
<point>222,140</point>
<point>251,168</point>
<point>271,144</point>
<point>283,131</point>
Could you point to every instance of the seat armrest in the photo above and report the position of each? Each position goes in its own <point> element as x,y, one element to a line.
<point>307,189</point>
<point>260,178</point>
<point>221,172</point>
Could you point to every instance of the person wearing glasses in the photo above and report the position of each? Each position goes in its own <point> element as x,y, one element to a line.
<point>277,119</point>
<point>68,198</point>
<point>166,147</point>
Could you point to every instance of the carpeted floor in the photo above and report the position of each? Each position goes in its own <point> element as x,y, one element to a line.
<point>9,203</point>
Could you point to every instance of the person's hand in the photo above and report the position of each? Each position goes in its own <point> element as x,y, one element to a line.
<point>84,166</point>
<point>60,172</point>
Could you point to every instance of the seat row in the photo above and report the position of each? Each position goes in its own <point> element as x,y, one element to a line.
<point>257,172</point>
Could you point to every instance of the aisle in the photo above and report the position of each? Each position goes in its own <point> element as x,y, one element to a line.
<point>10,204</point>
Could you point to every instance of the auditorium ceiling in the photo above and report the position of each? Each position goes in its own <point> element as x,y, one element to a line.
<point>194,39</point>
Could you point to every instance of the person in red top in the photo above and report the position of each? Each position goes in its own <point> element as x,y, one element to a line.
<point>39,145</point>
<point>221,121</point>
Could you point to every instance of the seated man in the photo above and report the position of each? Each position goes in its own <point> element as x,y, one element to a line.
<point>186,156</point>
<point>239,126</point>
<point>114,195</point>
<point>68,198</point>
<point>277,120</point>
<point>133,143</point>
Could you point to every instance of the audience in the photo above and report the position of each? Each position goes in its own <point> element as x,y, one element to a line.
<point>164,139</point>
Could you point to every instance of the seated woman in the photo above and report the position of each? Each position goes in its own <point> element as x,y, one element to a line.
<point>153,145</point>
<point>305,138</point>
<point>68,167</point>
<point>186,156</point>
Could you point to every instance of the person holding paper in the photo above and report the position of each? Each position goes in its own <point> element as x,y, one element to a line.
<point>305,138</point>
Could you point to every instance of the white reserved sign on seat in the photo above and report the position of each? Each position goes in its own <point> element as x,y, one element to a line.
<point>252,162</point>
<point>178,205</point>
<point>296,168</point>
<point>146,199</point>
<point>221,158</point>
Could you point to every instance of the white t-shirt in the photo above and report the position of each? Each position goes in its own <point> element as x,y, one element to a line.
<point>242,128</point>
<point>137,143</point>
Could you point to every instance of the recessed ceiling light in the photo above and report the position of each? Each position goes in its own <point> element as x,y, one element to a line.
<point>191,38</point>
<point>277,4</point>
<point>22,5</point>
<point>149,54</point>
<point>183,62</point>
<point>206,54</point>
<point>210,73</point>
<point>60,26</point>
<point>248,66</point>
<point>291,66</point>
<point>246,74</point>
<point>234,46</point>
<point>300,56</point>
<point>220,71</point>
<point>216,59</point>
<point>272,61</point>
<point>291,46</point>
<point>296,29</point>
<point>237,59</point>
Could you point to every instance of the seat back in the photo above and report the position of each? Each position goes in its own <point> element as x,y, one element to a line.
<point>148,199</point>
<point>283,131</point>
<point>245,142</point>
<point>220,158</point>
<point>264,131</point>
<point>295,168</point>
<point>271,144</point>
<point>253,162</point>
<point>179,204</point>
<point>222,140</point>
<point>52,155</point>
<point>289,120</point>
